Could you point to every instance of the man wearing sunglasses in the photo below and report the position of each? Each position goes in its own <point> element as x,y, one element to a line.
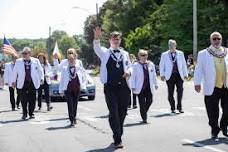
<point>114,73</point>
<point>173,70</point>
<point>28,74</point>
<point>211,69</point>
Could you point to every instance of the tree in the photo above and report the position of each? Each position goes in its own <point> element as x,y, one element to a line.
<point>67,42</point>
<point>87,51</point>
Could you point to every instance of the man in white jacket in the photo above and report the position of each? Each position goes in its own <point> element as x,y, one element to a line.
<point>115,63</point>
<point>28,74</point>
<point>173,70</point>
<point>8,79</point>
<point>211,69</point>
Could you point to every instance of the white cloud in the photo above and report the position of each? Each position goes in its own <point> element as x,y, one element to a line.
<point>32,18</point>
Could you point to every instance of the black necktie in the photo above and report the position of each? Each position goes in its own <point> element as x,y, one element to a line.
<point>115,51</point>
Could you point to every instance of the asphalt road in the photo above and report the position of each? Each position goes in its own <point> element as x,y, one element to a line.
<point>49,131</point>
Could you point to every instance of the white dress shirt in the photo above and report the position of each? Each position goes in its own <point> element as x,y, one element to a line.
<point>104,54</point>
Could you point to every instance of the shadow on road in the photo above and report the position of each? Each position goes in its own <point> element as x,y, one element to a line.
<point>207,142</point>
<point>58,128</point>
<point>165,115</point>
<point>13,121</point>
<point>135,124</point>
<point>110,148</point>
<point>103,117</point>
<point>58,119</point>
<point>3,111</point>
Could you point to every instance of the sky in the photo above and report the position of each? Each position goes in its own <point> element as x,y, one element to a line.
<point>32,18</point>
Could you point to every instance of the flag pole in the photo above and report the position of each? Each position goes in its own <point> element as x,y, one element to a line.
<point>97,14</point>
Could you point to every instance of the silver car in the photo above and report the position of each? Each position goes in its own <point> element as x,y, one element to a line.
<point>89,92</point>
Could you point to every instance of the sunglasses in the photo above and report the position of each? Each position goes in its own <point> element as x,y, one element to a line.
<point>216,38</point>
<point>25,53</point>
<point>143,55</point>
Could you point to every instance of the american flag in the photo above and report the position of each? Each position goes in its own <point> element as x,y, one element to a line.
<point>8,48</point>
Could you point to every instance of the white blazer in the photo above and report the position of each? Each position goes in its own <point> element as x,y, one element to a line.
<point>166,65</point>
<point>48,73</point>
<point>65,78</point>
<point>137,77</point>
<point>37,73</point>
<point>205,71</point>
<point>104,54</point>
<point>8,74</point>
<point>64,63</point>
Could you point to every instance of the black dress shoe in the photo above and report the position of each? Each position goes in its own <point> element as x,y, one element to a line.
<point>173,112</point>
<point>144,121</point>
<point>72,124</point>
<point>18,107</point>
<point>214,137</point>
<point>39,108</point>
<point>224,132</point>
<point>181,111</point>
<point>118,145</point>
<point>24,117</point>
<point>134,106</point>
<point>49,108</point>
<point>13,109</point>
<point>32,117</point>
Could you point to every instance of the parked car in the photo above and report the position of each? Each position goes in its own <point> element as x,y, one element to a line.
<point>89,92</point>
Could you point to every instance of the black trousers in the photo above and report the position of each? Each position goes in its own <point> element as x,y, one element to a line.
<point>28,98</point>
<point>44,87</point>
<point>145,101</point>
<point>212,106</point>
<point>72,103</point>
<point>133,98</point>
<point>117,99</point>
<point>175,80</point>
<point>12,97</point>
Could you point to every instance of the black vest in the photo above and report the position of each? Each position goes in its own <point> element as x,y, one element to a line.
<point>114,75</point>
<point>175,67</point>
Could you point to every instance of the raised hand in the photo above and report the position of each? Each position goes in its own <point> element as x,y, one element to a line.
<point>97,33</point>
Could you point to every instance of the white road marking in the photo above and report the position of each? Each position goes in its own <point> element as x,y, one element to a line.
<point>39,120</point>
<point>187,114</point>
<point>84,108</point>
<point>90,119</point>
<point>202,145</point>
<point>199,108</point>
<point>4,108</point>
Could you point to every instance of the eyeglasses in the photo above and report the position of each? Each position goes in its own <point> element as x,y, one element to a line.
<point>216,38</point>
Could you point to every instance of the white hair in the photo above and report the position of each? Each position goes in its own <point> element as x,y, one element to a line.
<point>28,49</point>
<point>215,33</point>
<point>172,43</point>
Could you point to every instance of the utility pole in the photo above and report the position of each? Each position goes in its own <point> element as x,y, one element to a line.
<point>195,29</point>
